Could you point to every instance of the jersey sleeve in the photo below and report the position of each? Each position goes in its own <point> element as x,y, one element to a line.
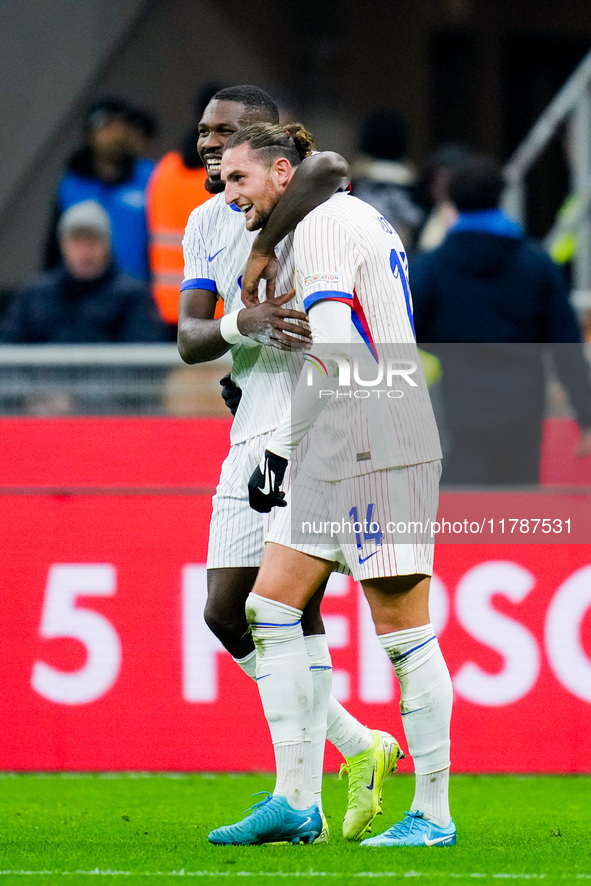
<point>326,260</point>
<point>198,273</point>
<point>330,322</point>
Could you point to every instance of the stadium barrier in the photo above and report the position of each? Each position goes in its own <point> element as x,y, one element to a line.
<point>110,380</point>
<point>108,665</point>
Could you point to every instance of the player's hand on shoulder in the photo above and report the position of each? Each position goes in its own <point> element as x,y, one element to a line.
<point>269,323</point>
<point>264,486</point>
<point>261,265</point>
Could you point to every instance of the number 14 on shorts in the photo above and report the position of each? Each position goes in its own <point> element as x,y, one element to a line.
<point>371,529</point>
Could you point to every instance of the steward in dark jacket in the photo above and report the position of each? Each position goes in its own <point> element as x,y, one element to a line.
<point>88,300</point>
<point>56,308</point>
<point>491,305</point>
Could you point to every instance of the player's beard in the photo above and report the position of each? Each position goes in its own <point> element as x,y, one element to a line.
<point>266,204</point>
<point>259,221</point>
<point>262,216</point>
<point>214,185</point>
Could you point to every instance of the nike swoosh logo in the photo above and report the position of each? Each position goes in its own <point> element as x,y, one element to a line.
<point>429,842</point>
<point>373,779</point>
<point>303,825</point>
<point>364,559</point>
<point>267,487</point>
<point>210,258</point>
<point>415,711</point>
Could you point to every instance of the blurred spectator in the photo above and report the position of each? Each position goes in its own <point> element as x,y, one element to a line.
<point>439,168</point>
<point>383,176</point>
<point>107,169</point>
<point>86,300</point>
<point>143,129</point>
<point>486,302</point>
<point>176,187</point>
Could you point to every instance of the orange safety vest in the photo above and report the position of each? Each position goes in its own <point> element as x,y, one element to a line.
<point>173,193</point>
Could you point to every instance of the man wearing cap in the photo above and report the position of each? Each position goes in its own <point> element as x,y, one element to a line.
<point>87,299</point>
<point>107,169</point>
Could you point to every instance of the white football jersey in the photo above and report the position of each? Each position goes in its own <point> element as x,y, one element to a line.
<point>216,247</point>
<point>382,416</point>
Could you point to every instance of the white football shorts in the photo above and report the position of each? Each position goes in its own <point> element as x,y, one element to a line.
<point>236,532</point>
<point>378,524</point>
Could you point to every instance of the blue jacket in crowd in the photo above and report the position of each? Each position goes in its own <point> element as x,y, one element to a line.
<point>123,199</point>
<point>488,283</point>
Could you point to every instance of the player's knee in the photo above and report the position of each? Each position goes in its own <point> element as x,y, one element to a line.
<point>265,612</point>
<point>253,609</point>
<point>225,624</point>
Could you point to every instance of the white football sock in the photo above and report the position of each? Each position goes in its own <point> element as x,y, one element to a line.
<point>432,796</point>
<point>345,732</point>
<point>321,670</point>
<point>248,664</point>
<point>287,693</point>
<point>426,698</point>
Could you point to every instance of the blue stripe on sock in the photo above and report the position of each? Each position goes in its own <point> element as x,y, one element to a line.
<point>321,667</point>
<point>414,649</point>
<point>264,624</point>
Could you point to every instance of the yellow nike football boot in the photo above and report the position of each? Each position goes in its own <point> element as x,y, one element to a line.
<point>367,772</point>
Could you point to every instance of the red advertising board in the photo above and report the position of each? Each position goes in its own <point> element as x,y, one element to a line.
<point>107,664</point>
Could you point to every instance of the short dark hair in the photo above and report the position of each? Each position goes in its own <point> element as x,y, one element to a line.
<point>477,184</point>
<point>271,141</point>
<point>143,120</point>
<point>256,100</point>
<point>104,109</point>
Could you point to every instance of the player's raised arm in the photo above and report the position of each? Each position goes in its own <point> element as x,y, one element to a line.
<point>315,180</point>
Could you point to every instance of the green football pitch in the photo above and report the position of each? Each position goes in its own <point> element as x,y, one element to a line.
<point>136,828</point>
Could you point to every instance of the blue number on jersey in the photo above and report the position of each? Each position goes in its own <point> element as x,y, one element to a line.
<point>399,271</point>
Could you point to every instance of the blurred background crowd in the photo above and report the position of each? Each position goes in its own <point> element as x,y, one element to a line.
<point>431,103</point>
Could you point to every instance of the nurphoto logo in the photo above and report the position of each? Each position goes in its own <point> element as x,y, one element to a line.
<point>386,372</point>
